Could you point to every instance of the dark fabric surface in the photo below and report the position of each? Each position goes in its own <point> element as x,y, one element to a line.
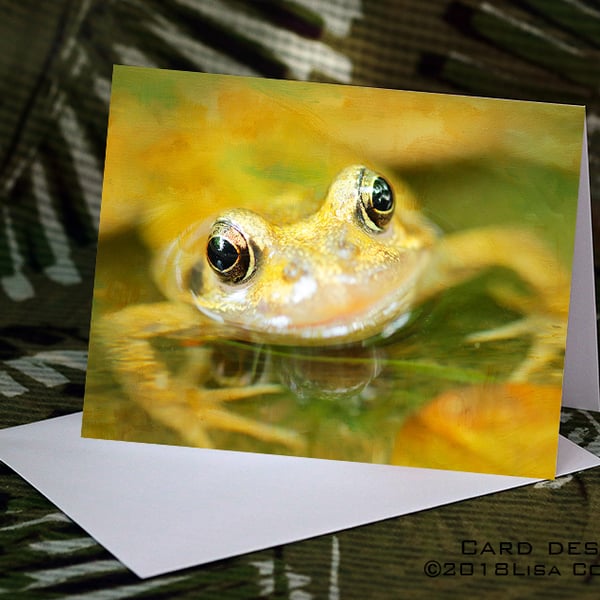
<point>55,68</point>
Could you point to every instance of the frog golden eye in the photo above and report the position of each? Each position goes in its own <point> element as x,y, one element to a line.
<point>376,201</point>
<point>230,255</point>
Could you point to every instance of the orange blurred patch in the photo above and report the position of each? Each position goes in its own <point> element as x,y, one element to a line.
<point>508,429</point>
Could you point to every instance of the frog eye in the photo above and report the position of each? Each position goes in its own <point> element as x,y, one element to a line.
<point>376,201</point>
<point>230,255</point>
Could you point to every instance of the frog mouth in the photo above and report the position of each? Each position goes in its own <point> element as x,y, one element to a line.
<point>358,318</point>
<point>382,318</point>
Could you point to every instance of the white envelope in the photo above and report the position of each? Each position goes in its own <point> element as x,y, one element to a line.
<point>162,508</point>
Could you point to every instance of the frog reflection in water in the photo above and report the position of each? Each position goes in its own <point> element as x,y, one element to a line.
<point>352,270</point>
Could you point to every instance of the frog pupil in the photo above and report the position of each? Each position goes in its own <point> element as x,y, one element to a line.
<point>383,199</point>
<point>221,253</point>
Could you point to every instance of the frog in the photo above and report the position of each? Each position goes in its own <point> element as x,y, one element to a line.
<point>352,270</point>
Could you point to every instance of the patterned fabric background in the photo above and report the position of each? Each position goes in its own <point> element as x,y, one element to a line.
<point>55,67</point>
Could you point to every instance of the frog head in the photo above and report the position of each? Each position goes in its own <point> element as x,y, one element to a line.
<point>342,274</point>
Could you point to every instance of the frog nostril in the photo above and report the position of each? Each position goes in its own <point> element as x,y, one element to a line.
<point>346,250</point>
<point>292,271</point>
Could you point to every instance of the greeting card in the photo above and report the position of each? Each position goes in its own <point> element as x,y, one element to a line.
<point>335,272</point>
